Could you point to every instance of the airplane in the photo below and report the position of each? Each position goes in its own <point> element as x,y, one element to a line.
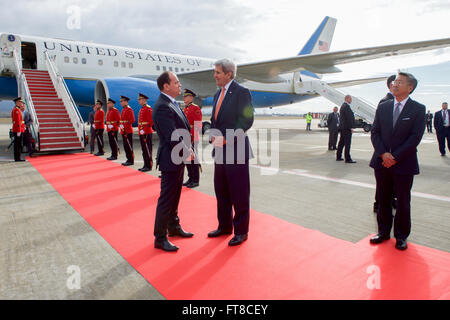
<point>94,71</point>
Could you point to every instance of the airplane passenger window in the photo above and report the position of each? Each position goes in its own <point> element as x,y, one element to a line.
<point>130,65</point>
<point>170,68</point>
<point>176,69</point>
<point>158,68</point>
<point>83,61</point>
<point>164,68</point>
<point>124,65</point>
<point>116,63</point>
<point>75,60</point>
<point>100,62</point>
<point>66,59</point>
<point>182,69</point>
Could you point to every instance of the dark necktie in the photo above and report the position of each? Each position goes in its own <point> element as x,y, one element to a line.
<point>396,113</point>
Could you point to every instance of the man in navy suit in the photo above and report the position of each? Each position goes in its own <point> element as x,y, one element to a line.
<point>442,127</point>
<point>333,124</point>
<point>174,133</point>
<point>346,125</point>
<point>397,131</point>
<point>232,116</point>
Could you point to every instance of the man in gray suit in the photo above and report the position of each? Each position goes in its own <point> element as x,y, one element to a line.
<point>92,130</point>
<point>27,138</point>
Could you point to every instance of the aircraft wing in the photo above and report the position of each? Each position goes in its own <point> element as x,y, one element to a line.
<point>268,71</point>
<point>349,83</point>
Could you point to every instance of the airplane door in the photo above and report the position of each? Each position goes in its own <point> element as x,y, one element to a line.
<point>9,43</point>
<point>29,57</point>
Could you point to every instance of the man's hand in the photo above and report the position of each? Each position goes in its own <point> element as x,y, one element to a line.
<point>19,133</point>
<point>218,141</point>
<point>388,160</point>
<point>191,157</point>
<point>93,126</point>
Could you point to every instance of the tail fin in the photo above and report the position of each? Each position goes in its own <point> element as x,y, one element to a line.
<point>321,39</point>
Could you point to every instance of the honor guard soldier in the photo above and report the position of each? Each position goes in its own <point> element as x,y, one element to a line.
<point>18,127</point>
<point>126,129</point>
<point>145,124</point>
<point>194,115</point>
<point>112,126</point>
<point>99,126</point>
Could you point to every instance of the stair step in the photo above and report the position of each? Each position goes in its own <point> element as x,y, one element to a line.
<point>47,104</point>
<point>56,125</point>
<point>60,145</point>
<point>51,113</point>
<point>56,129</point>
<point>47,140</point>
<point>44,135</point>
<point>57,118</point>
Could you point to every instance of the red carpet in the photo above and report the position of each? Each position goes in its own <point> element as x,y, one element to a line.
<point>279,261</point>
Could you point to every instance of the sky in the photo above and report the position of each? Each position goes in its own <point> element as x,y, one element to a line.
<point>252,30</point>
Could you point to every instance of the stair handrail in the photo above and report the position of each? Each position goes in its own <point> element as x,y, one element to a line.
<point>24,92</point>
<point>63,92</point>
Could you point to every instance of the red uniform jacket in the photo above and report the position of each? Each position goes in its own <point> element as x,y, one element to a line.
<point>145,121</point>
<point>194,115</point>
<point>99,119</point>
<point>126,124</point>
<point>113,119</point>
<point>17,120</point>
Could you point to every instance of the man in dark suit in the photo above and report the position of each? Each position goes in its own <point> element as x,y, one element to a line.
<point>170,121</point>
<point>429,122</point>
<point>232,116</point>
<point>442,127</point>
<point>389,96</point>
<point>346,125</point>
<point>397,131</point>
<point>333,124</point>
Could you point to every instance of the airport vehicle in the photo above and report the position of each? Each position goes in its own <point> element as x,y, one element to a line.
<point>61,79</point>
<point>359,123</point>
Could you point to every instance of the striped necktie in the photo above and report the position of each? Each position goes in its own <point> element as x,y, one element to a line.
<point>396,113</point>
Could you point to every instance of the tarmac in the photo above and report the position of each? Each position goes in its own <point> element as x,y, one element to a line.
<point>298,180</point>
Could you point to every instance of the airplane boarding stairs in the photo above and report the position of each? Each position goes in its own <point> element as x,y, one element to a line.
<point>360,107</point>
<point>57,125</point>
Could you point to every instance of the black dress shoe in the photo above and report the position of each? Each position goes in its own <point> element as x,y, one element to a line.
<point>218,232</point>
<point>165,245</point>
<point>187,183</point>
<point>350,161</point>
<point>180,232</point>
<point>99,154</point>
<point>238,239</point>
<point>379,239</point>
<point>111,158</point>
<point>144,169</point>
<point>127,163</point>
<point>20,160</point>
<point>401,244</point>
<point>193,185</point>
<point>339,159</point>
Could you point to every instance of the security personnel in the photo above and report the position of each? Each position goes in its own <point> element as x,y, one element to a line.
<point>99,126</point>
<point>194,115</point>
<point>145,124</point>
<point>18,127</point>
<point>126,129</point>
<point>112,126</point>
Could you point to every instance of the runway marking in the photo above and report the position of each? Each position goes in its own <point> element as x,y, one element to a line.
<point>304,173</point>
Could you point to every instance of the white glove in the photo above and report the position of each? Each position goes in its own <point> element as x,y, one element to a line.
<point>19,133</point>
<point>141,132</point>
<point>121,126</point>
<point>110,126</point>
<point>93,126</point>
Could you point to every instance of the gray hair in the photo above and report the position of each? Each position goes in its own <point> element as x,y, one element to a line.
<point>412,81</point>
<point>227,66</point>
